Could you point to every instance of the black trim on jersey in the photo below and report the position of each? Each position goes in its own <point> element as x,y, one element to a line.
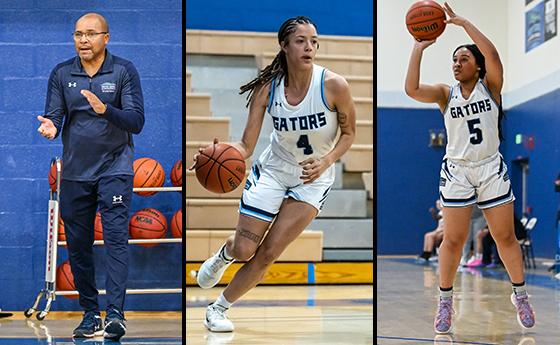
<point>501,165</point>
<point>454,201</point>
<point>446,169</point>
<point>325,195</point>
<point>256,171</point>
<point>500,198</point>
<point>257,210</point>
<point>448,100</point>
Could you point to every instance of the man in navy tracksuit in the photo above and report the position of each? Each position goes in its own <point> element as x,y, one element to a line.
<point>95,99</point>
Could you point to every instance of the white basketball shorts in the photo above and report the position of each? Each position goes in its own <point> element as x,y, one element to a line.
<point>272,180</point>
<point>485,183</point>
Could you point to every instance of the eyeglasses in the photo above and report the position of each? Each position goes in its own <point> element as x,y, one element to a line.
<point>88,35</point>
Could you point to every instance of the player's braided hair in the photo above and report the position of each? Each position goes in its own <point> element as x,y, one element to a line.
<point>481,62</point>
<point>279,67</point>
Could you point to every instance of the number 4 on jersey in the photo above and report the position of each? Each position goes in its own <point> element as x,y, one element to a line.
<point>303,143</point>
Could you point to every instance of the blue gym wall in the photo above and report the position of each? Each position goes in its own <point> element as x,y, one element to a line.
<point>333,17</point>
<point>539,118</point>
<point>407,178</point>
<point>408,170</point>
<point>35,35</point>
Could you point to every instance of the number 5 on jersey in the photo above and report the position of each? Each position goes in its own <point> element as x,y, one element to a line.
<point>476,133</point>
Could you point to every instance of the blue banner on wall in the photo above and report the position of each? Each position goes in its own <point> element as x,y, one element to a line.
<point>534,27</point>
<point>540,24</point>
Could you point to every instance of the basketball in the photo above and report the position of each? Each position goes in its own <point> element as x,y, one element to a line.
<point>148,223</point>
<point>177,174</point>
<point>65,279</point>
<point>148,173</point>
<point>97,227</point>
<point>61,234</point>
<point>425,20</point>
<point>52,177</point>
<point>177,224</point>
<point>220,168</point>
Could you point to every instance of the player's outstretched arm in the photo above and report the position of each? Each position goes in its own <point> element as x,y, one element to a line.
<point>494,69</point>
<point>422,92</point>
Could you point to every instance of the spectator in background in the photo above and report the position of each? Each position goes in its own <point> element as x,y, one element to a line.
<point>478,223</point>
<point>490,256</point>
<point>433,238</point>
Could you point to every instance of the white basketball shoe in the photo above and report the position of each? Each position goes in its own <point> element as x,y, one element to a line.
<point>216,319</point>
<point>212,270</point>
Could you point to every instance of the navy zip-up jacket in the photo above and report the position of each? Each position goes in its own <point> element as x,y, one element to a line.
<point>96,145</point>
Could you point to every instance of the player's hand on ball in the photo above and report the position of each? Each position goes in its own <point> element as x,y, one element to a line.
<point>312,169</point>
<point>200,149</point>
<point>452,18</point>
<point>424,44</point>
<point>47,128</point>
<point>97,106</point>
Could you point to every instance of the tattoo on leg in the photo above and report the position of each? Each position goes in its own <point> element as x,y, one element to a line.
<point>248,234</point>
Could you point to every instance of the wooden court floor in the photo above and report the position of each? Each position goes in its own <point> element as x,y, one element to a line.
<point>484,315</point>
<point>336,314</point>
<point>155,328</point>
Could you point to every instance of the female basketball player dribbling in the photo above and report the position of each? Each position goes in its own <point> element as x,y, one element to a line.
<point>290,181</point>
<point>473,171</point>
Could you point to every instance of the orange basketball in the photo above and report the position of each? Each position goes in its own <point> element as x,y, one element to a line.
<point>425,20</point>
<point>148,173</point>
<point>97,227</point>
<point>65,279</point>
<point>52,176</point>
<point>220,168</point>
<point>148,223</point>
<point>61,233</point>
<point>177,224</point>
<point>177,174</point>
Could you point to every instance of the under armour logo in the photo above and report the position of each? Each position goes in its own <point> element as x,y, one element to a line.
<point>70,84</point>
<point>117,199</point>
<point>277,104</point>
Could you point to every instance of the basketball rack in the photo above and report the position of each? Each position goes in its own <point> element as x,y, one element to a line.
<point>49,291</point>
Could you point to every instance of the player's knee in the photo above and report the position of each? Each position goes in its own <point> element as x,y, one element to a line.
<point>455,241</point>
<point>504,237</point>
<point>268,255</point>
<point>241,252</point>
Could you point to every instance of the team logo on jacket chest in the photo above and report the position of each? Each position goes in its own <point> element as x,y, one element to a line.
<point>471,109</point>
<point>300,123</point>
<point>108,87</point>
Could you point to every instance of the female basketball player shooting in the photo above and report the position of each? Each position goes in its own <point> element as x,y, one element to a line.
<point>473,171</point>
<point>290,181</point>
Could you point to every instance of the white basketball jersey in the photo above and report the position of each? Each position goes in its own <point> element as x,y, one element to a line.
<point>306,130</point>
<point>471,124</point>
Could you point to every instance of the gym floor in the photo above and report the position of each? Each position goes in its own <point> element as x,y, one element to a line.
<point>484,315</point>
<point>155,328</point>
<point>341,314</point>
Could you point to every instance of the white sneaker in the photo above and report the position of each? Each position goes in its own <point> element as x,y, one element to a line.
<point>216,319</point>
<point>212,270</point>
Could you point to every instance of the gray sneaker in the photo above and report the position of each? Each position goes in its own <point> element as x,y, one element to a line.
<point>212,270</point>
